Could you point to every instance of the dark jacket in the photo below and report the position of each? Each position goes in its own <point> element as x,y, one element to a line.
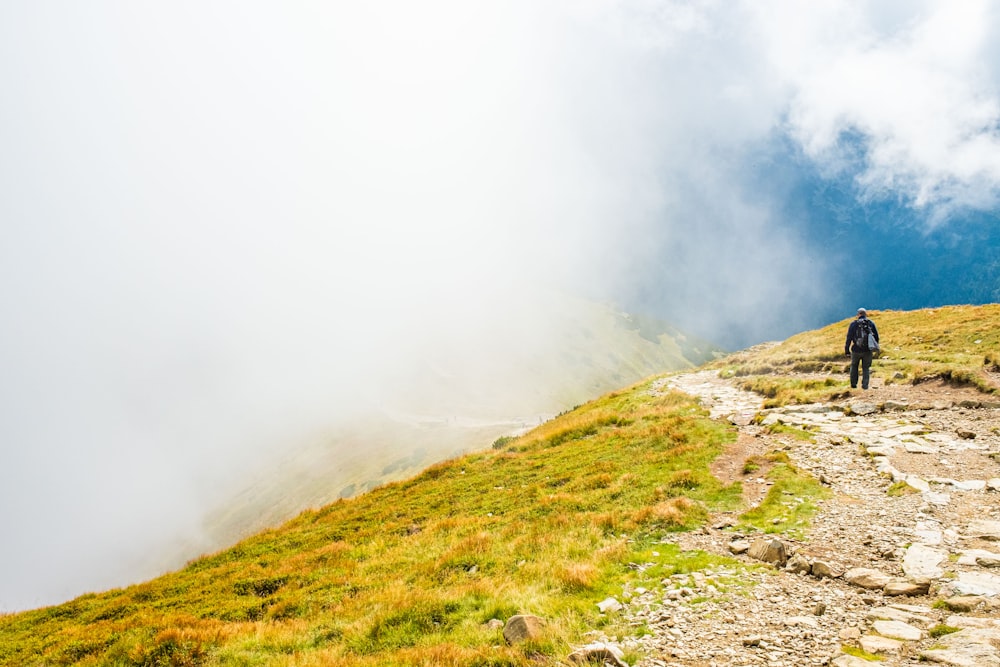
<point>853,330</point>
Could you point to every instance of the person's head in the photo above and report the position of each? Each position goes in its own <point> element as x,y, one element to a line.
<point>862,313</point>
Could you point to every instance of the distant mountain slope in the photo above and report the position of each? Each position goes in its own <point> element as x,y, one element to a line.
<point>461,399</point>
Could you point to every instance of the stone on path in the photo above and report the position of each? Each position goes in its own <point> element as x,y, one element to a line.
<point>977,583</point>
<point>938,498</point>
<point>866,578</point>
<point>799,564</point>
<point>969,485</point>
<point>898,630</point>
<point>862,408</point>
<point>967,648</point>
<point>737,547</point>
<point>922,562</point>
<point>972,556</point>
<point>963,602</point>
<point>895,614</point>
<point>904,587</point>
<point>984,529</point>
<point>876,644</point>
<point>822,569</point>
<point>849,634</point>
<point>769,551</point>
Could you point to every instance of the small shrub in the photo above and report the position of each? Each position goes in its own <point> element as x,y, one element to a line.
<point>262,588</point>
<point>503,441</point>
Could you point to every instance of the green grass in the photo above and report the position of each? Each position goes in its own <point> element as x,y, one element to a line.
<point>940,630</point>
<point>409,573</point>
<point>790,502</point>
<point>798,433</point>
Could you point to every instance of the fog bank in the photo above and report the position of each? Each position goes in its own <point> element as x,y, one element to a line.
<point>229,228</point>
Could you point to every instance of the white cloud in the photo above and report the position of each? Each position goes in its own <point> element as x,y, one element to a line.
<point>920,90</point>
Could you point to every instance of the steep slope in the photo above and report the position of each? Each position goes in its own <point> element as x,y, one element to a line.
<point>456,402</point>
<point>410,572</point>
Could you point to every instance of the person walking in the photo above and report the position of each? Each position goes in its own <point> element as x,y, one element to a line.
<point>857,346</point>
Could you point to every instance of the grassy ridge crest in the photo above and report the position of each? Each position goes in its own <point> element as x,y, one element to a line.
<point>958,345</point>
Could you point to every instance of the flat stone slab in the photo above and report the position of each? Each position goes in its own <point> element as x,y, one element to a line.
<point>898,630</point>
<point>972,556</point>
<point>938,498</point>
<point>923,562</point>
<point>984,529</point>
<point>876,644</point>
<point>968,648</point>
<point>894,614</point>
<point>866,578</point>
<point>977,583</point>
<point>969,485</point>
<point>977,622</point>
<point>928,536</point>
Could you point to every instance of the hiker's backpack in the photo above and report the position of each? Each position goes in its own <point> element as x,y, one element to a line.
<point>864,337</point>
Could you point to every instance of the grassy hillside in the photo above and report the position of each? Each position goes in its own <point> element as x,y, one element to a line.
<point>410,572</point>
<point>954,344</point>
<point>549,523</point>
<point>463,404</point>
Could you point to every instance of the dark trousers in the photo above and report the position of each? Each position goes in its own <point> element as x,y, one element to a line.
<point>865,359</point>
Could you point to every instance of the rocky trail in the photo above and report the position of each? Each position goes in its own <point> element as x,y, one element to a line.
<point>900,564</point>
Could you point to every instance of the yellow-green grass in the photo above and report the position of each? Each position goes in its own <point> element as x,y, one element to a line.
<point>860,653</point>
<point>778,428</point>
<point>409,573</point>
<point>956,344</point>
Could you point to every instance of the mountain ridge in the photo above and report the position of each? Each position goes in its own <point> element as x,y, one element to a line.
<point>549,523</point>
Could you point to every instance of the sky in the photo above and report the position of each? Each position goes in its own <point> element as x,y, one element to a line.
<point>228,225</point>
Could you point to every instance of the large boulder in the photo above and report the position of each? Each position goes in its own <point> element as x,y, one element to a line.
<point>769,551</point>
<point>523,627</point>
<point>601,653</point>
